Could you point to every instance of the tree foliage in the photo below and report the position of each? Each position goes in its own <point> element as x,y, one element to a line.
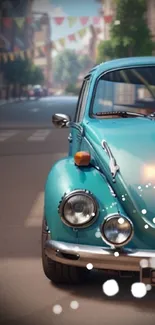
<point>66,67</point>
<point>131,35</point>
<point>22,72</point>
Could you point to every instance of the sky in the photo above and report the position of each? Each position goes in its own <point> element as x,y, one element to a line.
<point>65,8</point>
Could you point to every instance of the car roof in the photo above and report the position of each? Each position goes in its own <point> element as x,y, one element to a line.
<point>122,63</point>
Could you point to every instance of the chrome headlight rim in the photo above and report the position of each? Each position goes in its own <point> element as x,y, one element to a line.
<point>71,194</point>
<point>113,216</point>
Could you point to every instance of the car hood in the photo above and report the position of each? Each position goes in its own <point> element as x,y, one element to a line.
<point>132,142</point>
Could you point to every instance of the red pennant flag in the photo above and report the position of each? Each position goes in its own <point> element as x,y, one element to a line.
<point>108,19</point>
<point>72,37</point>
<point>7,22</point>
<point>96,20</point>
<point>84,20</point>
<point>29,20</point>
<point>59,20</point>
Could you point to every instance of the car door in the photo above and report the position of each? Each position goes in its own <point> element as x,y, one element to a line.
<point>76,130</point>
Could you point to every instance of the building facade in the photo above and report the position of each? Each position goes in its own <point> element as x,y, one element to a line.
<point>42,39</point>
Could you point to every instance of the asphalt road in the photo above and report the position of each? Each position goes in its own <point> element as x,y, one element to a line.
<point>26,296</point>
<point>36,113</point>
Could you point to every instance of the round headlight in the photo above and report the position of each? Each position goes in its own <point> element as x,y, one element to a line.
<point>117,230</point>
<point>78,209</point>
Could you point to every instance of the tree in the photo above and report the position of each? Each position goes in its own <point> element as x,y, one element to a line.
<point>105,51</point>
<point>131,36</point>
<point>66,67</point>
<point>22,72</point>
<point>86,62</point>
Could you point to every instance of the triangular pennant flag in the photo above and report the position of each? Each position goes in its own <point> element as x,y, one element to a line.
<point>96,20</point>
<point>72,37</point>
<point>20,21</point>
<point>84,20</point>
<point>7,22</point>
<point>82,32</point>
<point>11,56</point>
<point>5,57</point>
<point>59,20</point>
<point>45,49</point>
<point>62,41</point>
<point>72,21</point>
<point>108,19</point>
<point>22,55</point>
<point>29,20</point>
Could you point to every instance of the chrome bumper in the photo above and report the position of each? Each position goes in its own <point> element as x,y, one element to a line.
<point>101,258</point>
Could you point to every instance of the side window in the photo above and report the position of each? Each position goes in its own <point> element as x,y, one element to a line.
<point>82,100</point>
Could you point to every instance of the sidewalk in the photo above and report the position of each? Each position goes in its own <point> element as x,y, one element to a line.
<point>11,100</point>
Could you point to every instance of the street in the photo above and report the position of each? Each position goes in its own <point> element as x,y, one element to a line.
<point>35,113</point>
<point>29,146</point>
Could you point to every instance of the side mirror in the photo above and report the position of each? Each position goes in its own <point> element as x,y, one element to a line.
<point>61,120</point>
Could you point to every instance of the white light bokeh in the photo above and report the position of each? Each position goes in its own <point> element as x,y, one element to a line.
<point>138,290</point>
<point>97,234</point>
<point>139,187</point>
<point>74,304</point>
<point>148,287</point>
<point>146,226</point>
<point>144,263</point>
<point>110,288</point>
<point>57,309</point>
<point>144,211</point>
<point>116,254</point>
<point>121,221</point>
<point>153,220</point>
<point>89,266</point>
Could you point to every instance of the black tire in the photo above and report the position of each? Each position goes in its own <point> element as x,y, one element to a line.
<point>60,273</point>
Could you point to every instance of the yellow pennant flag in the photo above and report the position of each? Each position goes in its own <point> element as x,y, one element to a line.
<point>11,56</point>
<point>20,21</point>
<point>22,55</point>
<point>82,32</point>
<point>72,21</point>
<point>5,57</point>
<point>62,41</point>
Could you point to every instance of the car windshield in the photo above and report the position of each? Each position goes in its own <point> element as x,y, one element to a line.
<point>128,90</point>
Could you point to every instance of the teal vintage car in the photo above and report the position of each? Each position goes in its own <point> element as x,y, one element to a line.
<point>99,209</point>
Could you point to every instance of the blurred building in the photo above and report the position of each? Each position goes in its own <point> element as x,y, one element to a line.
<point>108,11</point>
<point>42,42</point>
<point>13,37</point>
<point>151,17</point>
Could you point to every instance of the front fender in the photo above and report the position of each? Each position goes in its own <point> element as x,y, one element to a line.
<point>64,177</point>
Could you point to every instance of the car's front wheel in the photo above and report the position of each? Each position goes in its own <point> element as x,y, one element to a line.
<point>60,273</point>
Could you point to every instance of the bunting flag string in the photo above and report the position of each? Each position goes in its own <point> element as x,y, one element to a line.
<point>42,50</point>
<point>32,20</point>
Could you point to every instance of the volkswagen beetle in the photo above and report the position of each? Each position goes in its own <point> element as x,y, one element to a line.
<point>99,209</point>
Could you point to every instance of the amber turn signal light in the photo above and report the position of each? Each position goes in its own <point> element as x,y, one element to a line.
<point>82,158</point>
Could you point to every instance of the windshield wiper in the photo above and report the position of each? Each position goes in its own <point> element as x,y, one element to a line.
<point>114,168</point>
<point>124,114</point>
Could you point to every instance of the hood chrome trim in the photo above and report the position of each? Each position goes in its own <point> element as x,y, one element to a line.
<point>114,168</point>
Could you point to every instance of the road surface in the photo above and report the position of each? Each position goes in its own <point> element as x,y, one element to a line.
<point>36,113</point>
<point>26,296</point>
